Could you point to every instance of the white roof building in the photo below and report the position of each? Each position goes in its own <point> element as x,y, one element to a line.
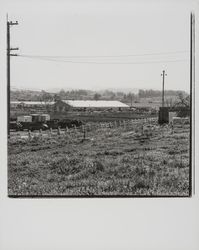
<point>95,104</point>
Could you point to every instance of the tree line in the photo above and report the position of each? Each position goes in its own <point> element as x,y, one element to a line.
<point>28,95</point>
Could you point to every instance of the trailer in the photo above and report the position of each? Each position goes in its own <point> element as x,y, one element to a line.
<point>32,122</point>
<point>43,122</point>
<point>34,126</point>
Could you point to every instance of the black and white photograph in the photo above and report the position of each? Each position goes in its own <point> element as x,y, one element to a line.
<point>99,99</point>
<point>99,124</point>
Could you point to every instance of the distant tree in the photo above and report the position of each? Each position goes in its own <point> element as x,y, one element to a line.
<point>57,97</point>
<point>183,102</point>
<point>108,93</point>
<point>96,96</point>
<point>113,96</point>
<point>46,98</point>
<point>124,97</point>
<point>62,94</point>
<point>131,97</point>
<point>157,93</point>
<point>141,93</point>
<point>120,94</point>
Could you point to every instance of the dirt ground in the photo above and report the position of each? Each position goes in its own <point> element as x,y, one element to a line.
<point>137,159</point>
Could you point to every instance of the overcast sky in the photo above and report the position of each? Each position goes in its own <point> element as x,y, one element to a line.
<point>126,30</point>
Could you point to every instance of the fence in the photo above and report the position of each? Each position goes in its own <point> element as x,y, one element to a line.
<point>83,130</point>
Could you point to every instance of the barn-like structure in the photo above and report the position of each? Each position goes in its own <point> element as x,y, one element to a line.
<point>79,105</point>
<point>61,108</point>
<point>18,108</point>
<point>30,104</point>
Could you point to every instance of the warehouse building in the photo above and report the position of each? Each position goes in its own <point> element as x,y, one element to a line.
<point>29,104</point>
<point>80,105</point>
<point>61,108</point>
<point>18,108</point>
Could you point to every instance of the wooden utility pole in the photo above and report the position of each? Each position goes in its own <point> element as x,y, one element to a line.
<point>9,24</point>
<point>163,77</point>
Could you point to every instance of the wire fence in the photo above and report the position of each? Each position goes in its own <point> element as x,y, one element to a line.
<point>144,128</point>
<point>84,129</point>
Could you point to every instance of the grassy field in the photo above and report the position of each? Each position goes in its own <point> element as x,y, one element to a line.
<point>138,159</point>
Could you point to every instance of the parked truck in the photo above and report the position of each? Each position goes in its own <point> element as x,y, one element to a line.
<point>43,122</point>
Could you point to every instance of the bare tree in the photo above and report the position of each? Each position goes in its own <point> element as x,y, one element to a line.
<point>96,96</point>
<point>183,100</point>
<point>183,103</point>
<point>47,98</point>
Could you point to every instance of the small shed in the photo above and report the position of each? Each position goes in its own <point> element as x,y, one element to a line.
<point>24,118</point>
<point>40,117</point>
<point>166,114</point>
<point>46,117</point>
<point>172,114</point>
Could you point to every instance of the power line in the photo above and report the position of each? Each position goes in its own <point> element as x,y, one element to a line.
<point>95,62</point>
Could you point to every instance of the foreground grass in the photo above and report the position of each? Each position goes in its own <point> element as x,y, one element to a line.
<point>115,161</point>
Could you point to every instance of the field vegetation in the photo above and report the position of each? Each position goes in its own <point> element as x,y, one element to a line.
<point>134,159</point>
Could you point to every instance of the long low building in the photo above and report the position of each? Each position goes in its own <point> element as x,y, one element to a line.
<point>16,104</point>
<point>18,108</point>
<point>64,105</point>
<point>95,104</point>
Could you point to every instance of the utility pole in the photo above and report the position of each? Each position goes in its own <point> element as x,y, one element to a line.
<point>163,77</point>
<point>9,49</point>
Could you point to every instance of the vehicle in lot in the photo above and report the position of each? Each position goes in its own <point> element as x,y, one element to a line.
<point>69,123</point>
<point>30,122</point>
<point>53,124</point>
<point>34,126</point>
<point>14,125</point>
<point>42,122</point>
<point>20,126</point>
<point>65,123</point>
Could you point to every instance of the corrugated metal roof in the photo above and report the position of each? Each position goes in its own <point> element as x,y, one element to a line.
<point>95,104</point>
<point>32,103</point>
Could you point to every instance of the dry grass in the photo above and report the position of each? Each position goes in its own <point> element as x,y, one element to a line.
<point>111,161</point>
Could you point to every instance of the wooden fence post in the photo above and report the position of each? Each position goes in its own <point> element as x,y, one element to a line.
<point>84,132</point>
<point>172,129</point>
<point>142,129</point>
<point>29,134</point>
<point>49,133</point>
<point>66,130</point>
<point>124,124</point>
<point>58,131</point>
<point>40,133</point>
